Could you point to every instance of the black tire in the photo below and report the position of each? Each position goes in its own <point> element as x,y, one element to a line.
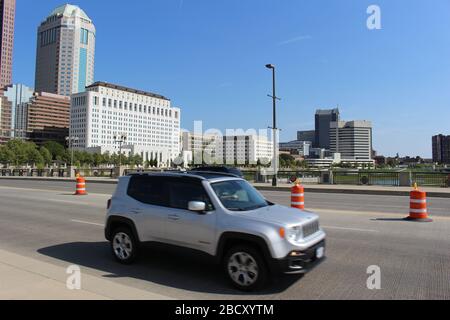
<point>127,257</point>
<point>262,270</point>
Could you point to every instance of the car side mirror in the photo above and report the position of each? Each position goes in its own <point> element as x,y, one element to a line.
<point>196,206</point>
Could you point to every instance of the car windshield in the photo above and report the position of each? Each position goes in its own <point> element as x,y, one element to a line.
<point>238,195</point>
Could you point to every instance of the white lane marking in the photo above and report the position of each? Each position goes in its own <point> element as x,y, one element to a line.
<point>349,229</point>
<point>87,222</point>
<point>51,190</point>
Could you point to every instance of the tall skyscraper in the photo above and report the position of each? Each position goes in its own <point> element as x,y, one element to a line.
<point>441,149</point>
<point>65,52</point>
<point>323,120</point>
<point>7,15</point>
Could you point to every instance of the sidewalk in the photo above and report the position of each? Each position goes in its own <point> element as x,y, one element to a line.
<point>23,278</point>
<point>434,192</point>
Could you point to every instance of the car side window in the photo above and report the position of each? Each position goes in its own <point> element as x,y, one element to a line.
<point>149,190</point>
<point>181,192</point>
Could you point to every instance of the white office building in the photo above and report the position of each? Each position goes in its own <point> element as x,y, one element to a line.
<point>215,149</point>
<point>65,51</point>
<point>352,139</point>
<point>245,149</point>
<point>147,120</point>
<point>196,145</point>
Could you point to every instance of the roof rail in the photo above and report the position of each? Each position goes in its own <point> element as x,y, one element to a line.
<point>226,174</point>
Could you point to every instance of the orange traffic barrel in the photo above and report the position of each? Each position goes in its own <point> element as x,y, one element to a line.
<point>81,187</point>
<point>418,206</point>
<point>298,197</point>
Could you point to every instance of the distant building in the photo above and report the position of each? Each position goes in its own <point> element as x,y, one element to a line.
<point>197,143</point>
<point>48,117</point>
<point>14,110</point>
<point>319,153</point>
<point>244,150</point>
<point>322,133</point>
<point>65,51</point>
<point>352,139</point>
<point>33,116</point>
<point>441,149</point>
<point>306,135</point>
<point>380,160</point>
<point>148,120</point>
<point>7,16</point>
<point>5,118</point>
<point>232,149</point>
<point>296,147</point>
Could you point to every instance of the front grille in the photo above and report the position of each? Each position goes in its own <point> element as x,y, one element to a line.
<point>310,228</point>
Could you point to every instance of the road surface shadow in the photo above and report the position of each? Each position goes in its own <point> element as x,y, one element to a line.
<point>167,266</point>
<point>389,219</point>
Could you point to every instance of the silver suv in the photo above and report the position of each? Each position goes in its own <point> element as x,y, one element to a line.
<point>215,213</point>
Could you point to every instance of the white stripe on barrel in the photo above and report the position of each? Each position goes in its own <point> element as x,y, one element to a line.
<point>418,201</point>
<point>418,210</point>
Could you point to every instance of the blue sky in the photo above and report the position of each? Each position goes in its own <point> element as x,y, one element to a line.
<point>209,56</point>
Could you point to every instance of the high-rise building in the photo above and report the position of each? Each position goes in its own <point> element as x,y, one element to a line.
<point>5,117</point>
<point>107,111</point>
<point>14,110</point>
<point>7,16</point>
<point>65,52</point>
<point>441,149</point>
<point>352,139</point>
<point>48,117</point>
<point>322,132</point>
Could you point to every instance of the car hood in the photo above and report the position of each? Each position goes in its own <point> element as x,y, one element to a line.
<point>281,214</point>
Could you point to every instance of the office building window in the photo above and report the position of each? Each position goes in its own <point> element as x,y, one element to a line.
<point>84,36</point>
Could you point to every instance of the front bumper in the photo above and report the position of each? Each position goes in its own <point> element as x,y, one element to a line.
<point>303,262</point>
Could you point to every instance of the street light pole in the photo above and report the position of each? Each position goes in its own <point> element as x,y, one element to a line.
<point>274,127</point>
<point>120,139</point>
<point>71,140</point>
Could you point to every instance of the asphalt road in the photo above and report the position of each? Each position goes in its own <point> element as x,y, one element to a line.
<point>43,220</point>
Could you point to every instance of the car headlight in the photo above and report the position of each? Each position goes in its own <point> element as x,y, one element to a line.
<point>294,234</point>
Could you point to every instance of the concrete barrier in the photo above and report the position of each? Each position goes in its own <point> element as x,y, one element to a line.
<point>287,188</point>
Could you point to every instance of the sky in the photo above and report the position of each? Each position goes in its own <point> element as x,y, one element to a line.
<point>208,57</point>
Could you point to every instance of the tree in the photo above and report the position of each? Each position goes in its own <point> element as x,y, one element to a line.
<point>97,159</point>
<point>136,160</point>
<point>34,157</point>
<point>6,155</point>
<point>22,151</point>
<point>114,159</point>
<point>46,155</point>
<point>87,159</point>
<point>56,149</point>
<point>286,160</point>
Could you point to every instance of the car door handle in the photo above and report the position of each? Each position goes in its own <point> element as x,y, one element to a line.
<point>174,217</point>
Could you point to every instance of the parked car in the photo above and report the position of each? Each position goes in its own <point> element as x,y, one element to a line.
<point>220,169</point>
<point>219,214</point>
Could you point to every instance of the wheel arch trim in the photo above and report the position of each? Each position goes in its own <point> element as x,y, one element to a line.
<point>122,221</point>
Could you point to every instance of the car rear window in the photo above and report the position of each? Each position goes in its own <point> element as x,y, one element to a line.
<point>148,190</point>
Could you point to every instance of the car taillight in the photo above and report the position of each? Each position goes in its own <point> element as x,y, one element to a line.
<point>108,204</point>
